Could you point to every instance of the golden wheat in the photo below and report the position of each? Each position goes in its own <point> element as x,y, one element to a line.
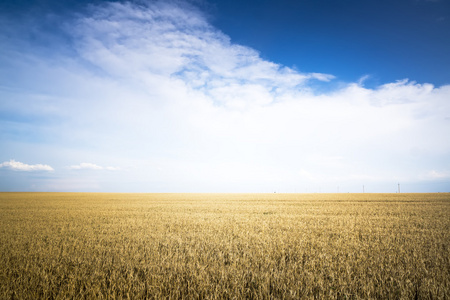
<point>232,246</point>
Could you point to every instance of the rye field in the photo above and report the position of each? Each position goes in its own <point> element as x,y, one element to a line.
<point>224,246</point>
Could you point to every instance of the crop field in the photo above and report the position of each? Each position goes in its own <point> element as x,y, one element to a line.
<point>224,246</point>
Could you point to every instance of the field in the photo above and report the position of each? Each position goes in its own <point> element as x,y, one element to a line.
<point>224,246</point>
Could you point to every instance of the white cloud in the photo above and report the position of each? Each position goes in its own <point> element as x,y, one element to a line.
<point>86,166</point>
<point>322,77</point>
<point>112,168</point>
<point>91,166</point>
<point>19,166</point>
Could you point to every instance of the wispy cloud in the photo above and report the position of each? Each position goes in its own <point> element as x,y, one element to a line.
<point>91,166</point>
<point>164,42</point>
<point>20,166</point>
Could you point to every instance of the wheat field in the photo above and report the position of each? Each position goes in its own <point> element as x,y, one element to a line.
<point>224,246</point>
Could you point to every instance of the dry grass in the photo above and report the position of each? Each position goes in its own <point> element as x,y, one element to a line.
<point>215,246</point>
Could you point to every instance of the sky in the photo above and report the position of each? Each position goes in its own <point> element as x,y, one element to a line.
<point>225,96</point>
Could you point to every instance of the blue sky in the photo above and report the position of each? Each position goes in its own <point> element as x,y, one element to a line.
<point>387,40</point>
<point>225,96</point>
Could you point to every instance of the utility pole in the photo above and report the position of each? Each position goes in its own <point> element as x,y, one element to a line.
<point>399,187</point>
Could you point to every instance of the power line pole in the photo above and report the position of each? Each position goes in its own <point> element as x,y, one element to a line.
<point>399,187</point>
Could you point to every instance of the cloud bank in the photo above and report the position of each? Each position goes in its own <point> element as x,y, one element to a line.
<point>155,89</point>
